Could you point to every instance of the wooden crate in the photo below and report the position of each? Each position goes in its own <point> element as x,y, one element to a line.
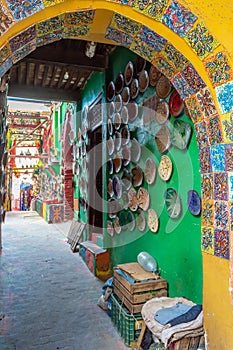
<point>190,343</point>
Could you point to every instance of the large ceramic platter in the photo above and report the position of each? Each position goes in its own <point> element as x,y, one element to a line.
<point>143,80</point>
<point>128,73</point>
<point>163,139</point>
<point>163,87</point>
<point>176,104</point>
<point>165,168</point>
<point>153,221</point>
<point>150,171</point>
<point>137,175</point>
<point>143,198</point>
<point>119,83</point>
<point>111,91</point>
<point>194,202</point>
<point>132,196</point>
<point>154,75</point>
<point>173,203</point>
<point>181,134</point>
<point>162,112</point>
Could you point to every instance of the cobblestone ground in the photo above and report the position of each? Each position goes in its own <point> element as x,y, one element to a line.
<point>48,297</point>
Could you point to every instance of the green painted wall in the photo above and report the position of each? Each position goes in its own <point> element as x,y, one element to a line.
<point>176,245</point>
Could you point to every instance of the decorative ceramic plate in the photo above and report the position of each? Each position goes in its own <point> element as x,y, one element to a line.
<point>181,134</point>
<point>150,171</point>
<point>111,91</point>
<point>117,161</point>
<point>141,221</point>
<point>125,135</point>
<point>140,64</point>
<point>165,168</point>
<point>173,203</point>
<point>110,127</point>
<point>126,179</point>
<point>153,221</point>
<point>119,83</point>
<point>131,221</point>
<point>125,200</point>
<point>128,73</point>
<point>110,166</point>
<point>126,155</point>
<point>143,80</point>
<point>124,115</point>
<point>135,151</point>
<point>111,109</point>
<point>163,87</point>
<point>194,202</point>
<point>154,75</point>
<point>163,139</point>
<point>137,175</point>
<point>132,196</point>
<point>176,104</point>
<point>132,111</point>
<point>118,103</point>
<point>117,226</point>
<point>117,121</point>
<point>162,112</point>
<point>117,141</point>
<point>110,188</point>
<point>134,88</point>
<point>143,198</point>
<point>125,95</point>
<point>110,229</point>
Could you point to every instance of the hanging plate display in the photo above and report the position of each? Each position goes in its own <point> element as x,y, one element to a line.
<point>143,80</point>
<point>181,134</point>
<point>165,168</point>
<point>173,203</point>
<point>125,95</point>
<point>132,196</point>
<point>125,135</point>
<point>110,229</point>
<point>194,202</point>
<point>110,188</point>
<point>131,221</point>
<point>118,103</point>
<point>153,221</point>
<point>117,161</point>
<point>132,111</point>
<point>162,112</point>
<point>163,139</point>
<point>176,104</point>
<point>111,109</point>
<point>150,171</point>
<point>117,140</point>
<point>163,87</point>
<point>128,73</point>
<point>119,83</point>
<point>143,198</point>
<point>137,175</point>
<point>126,179</point>
<point>140,64</point>
<point>135,151</point>
<point>117,187</point>
<point>154,75</point>
<point>124,115</point>
<point>110,91</point>
<point>126,155</point>
<point>117,226</point>
<point>141,221</point>
<point>134,89</point>
<point>117,121</point>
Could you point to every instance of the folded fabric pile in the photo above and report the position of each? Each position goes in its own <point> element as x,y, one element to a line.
<point>170,319</point>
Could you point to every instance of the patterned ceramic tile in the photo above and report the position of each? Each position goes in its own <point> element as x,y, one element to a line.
<point>227,126</point>
<point>218,158</point>
<point>5,66</point>
<point>201,41</point>
<point>178,18</point>
<point>79,17</point>
<point>214,130</point>
<point>193,78</point>
<point>218,69</point>
<point>206,102</point>
<point>181,86</point>
<point>231,215</point>
<point>205,160</point>
<point>154,9</point>
<point>48,3</point>
<point>229,157</point>
<point>194,109</point>
<point>207,181</point>
<point>125,24</point>
<point>201,133</point>
<point>175,57</point>
<point>76,31</point>
<point>207,213</point>
<point>230,185</point>
<point>119,37</point>
<point>164,67</point>
<point>221,186</point>
<point>5,52</point>
<point>223,92</point>
<point>22,9</point>
<point>6,19</point>
<point>49,38</point>
<point>221,243</point>
<point>151,38</point>
<point>208,239</point>
<point>221,215</point>
<point>50,25</point>
<point>23,51</point>
<point>143,50</point>
<point>23,38</point>
<point>124,2</point>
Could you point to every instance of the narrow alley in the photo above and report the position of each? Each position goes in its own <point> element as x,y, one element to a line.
<point>48,297</point>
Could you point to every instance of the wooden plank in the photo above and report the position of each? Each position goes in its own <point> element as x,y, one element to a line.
<point>133,309</point>
<point>135,271</point>
<point>139,342</point>
<point>77,236</point>
<point>194,343</point>
<point>183,344</point>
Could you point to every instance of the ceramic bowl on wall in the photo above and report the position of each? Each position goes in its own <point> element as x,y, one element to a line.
<point>125,200</point>
<point>135,151</point>
<point>110,166</point>
<point>132,196</point>
<point>162,112</point>
<point>140,64</point>
<point>111,109</point>
<point>126,179</point>
<point>117,161</point>
<point>125,95</point>
<point>153,221</point>
<point>117,187</point>
<point>176,104</point>
<point>141,221</point>
<point>143,198</point>
<point>110,145</point>
<point>110,188</point>
<point>113,207</point>
<point>163,87</point>
<point>132,111</point>
<point>134,88</point>
<point>126,155</point>
<point>110,229</point>
<point>137,175</point>
<point>119,83</point>
<point>143,81</point>
<point>124,115</point>
<point>163,139</point>
<point>154,75</point>
<point>110,91</point>
<point>117,121</point>
<point>125,135</point>
<point>131,222</point>
<point>116,225</point>
<point>173,203</point>
<point>182,132</point>
<point>110,127</point>
<point>165,168</point>
<point>194,202</point>
<point>117,141</point>
<point>150,171</point>
<point>128,73</point>
<point>118,103</point>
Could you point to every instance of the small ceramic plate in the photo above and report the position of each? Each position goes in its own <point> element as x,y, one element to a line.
<point>110,166</point>
<point>143,198</point>
<point>165,168</point>
<point>134,88</point>
<point>163,139</point>
<point>163,87</point>
<point>128,73</point>
<point>119,83</point>
<point>153,221</point>
<point>126,179</point>
<point>110,229</point>
<point>176,104</point>
<point>110,188</point>
<point>131,221</point>
<point>137,175</point>
<point>132,196</point>
<point>143,80</point>
<point>126,155</point>
<point>117,121</point>
<point>110,91</point>
<point>132,111</point>
<point>135,151</point>
<point>181,134</point>
<point>125,95</point>
<point>194,202</point>
<point>125,135</point>
<point>117,226</point>
<point>173,203</point>
<point>140,64</point>
<point>124,115</point>
<point>154,75</point>
<point>162,112</point>
<point>117,161</point>
<point>141,221</point>
<point>150,171</point>
<point>118,103</point>
<point>111,109</point>
<point>117,141</point>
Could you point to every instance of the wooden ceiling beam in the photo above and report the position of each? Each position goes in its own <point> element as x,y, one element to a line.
<point>36,76</point>
<point>45,75</point>
<point>20,73</point>
<point>28,73</point>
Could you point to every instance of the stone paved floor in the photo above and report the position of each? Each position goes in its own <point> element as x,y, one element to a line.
<point>48,297</point>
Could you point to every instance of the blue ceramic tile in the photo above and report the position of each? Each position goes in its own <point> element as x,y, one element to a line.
<point>217,157</point>
<point>181,86</point>
<point>221,186</point>
<point>205,160</point>
<point>221,243</point>
<point>118,37</point>
<point>23,38</point>
<point>224,95</point>
<point>229,157</point>
<point>23,9</point>
<point>193,79</point>
<point>221,215</point>
<point>151,38</point>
